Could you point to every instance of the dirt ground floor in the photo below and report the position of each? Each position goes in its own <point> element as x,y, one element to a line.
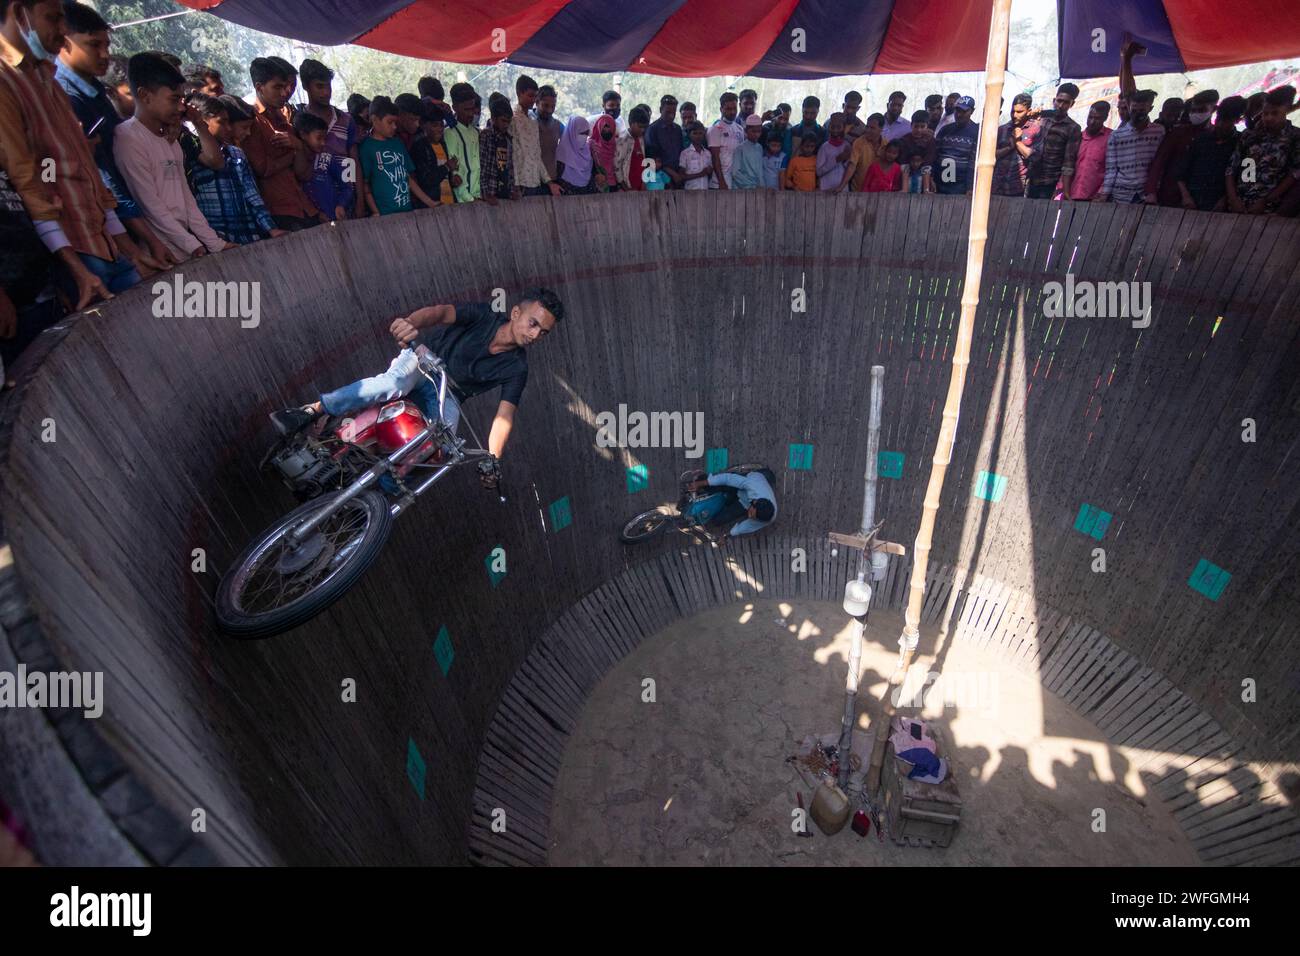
<point>698,775</point>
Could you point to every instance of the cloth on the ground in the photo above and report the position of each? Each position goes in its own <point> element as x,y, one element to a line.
<point>927,767</point>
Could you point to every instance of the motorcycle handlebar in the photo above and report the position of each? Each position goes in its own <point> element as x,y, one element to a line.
<point>427,359</point>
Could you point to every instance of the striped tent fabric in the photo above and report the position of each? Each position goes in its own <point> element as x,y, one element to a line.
<point>781,39</point>
<point>792,39</point>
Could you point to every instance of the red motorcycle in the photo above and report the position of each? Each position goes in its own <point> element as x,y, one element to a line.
<point>355,477</point>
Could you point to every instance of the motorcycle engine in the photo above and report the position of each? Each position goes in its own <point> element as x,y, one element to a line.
<point>307,472</point>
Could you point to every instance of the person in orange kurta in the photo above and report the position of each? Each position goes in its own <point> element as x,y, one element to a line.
<point>801,174</point>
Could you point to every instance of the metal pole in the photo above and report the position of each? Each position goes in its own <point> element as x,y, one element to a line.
<point>164,16</point>
<point>873,454</point>
<point>864,562</point>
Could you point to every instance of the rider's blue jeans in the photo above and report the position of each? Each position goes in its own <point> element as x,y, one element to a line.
<point>403,378</point>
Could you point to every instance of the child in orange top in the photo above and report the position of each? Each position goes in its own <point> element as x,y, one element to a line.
<point>884,175</point>
<point>801,173</point>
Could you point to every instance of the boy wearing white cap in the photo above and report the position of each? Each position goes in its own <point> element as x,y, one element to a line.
<point>747,163</point>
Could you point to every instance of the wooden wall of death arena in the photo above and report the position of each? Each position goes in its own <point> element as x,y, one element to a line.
<point>1077,433</point>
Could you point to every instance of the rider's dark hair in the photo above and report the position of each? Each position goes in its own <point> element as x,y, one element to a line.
<point>547,299</point>
<point>763,509</point>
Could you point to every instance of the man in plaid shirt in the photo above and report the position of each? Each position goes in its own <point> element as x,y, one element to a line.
<point>1055,148</point>
<point>1130,151</point>
<point>496,153</point>
<point>229,198</point>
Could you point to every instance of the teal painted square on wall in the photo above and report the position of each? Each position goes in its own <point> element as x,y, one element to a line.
<point>1092,521</point>
<point>990,486</point>
<point>561,514</point>
<point>801,457</point>
<point>415,766</point>
<point>1209,579</point>
<point>493,575</point>
<point>443,650</point>
<point>715,460</point>
<point>889,464</point>
<point>638,478</point>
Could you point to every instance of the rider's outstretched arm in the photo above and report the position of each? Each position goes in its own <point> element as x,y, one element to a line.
<point>407,328</point>
<point>432,315</point>
<point>501,427</point>
<point>727,479</point>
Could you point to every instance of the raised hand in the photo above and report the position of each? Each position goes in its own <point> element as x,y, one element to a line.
<point>403,330</point>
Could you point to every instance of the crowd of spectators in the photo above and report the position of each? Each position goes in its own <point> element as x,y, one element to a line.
<point>113,169</point>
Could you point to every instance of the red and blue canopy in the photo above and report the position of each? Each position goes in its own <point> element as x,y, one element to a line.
<point>782,39</point>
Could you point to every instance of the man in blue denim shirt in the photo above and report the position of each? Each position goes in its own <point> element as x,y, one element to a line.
<point>755,500</point>
<point>84,57</point>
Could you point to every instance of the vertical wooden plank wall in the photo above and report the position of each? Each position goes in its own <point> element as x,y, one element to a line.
<point>676,303</point>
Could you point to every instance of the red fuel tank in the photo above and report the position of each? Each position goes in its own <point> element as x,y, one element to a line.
<point>398,423</point>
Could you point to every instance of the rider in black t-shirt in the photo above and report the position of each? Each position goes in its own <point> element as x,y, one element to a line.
<point>482,349</point>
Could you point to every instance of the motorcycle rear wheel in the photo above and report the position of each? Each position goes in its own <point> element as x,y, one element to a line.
<point>643,527</point>
<point>272,588</point>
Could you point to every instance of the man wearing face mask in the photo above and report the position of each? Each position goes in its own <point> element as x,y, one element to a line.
<point>1161,180</point>
<point>612,105</point>
<point>74,213</point>
<point>1130,151</point>
<point>1199,174</point>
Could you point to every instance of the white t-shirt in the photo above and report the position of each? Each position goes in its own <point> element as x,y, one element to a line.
<point>693,161</point>
<point>728,136</point>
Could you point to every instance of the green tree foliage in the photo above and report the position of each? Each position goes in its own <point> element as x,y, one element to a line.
<point>195,37</point>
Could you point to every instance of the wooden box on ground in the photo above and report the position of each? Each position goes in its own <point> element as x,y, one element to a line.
<point>920,814</point>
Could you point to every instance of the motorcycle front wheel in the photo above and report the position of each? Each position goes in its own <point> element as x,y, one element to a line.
<point>273,587</point>
<point>643,527</point>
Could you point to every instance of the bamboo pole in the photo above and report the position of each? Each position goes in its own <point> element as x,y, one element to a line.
<point>994,75</point>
